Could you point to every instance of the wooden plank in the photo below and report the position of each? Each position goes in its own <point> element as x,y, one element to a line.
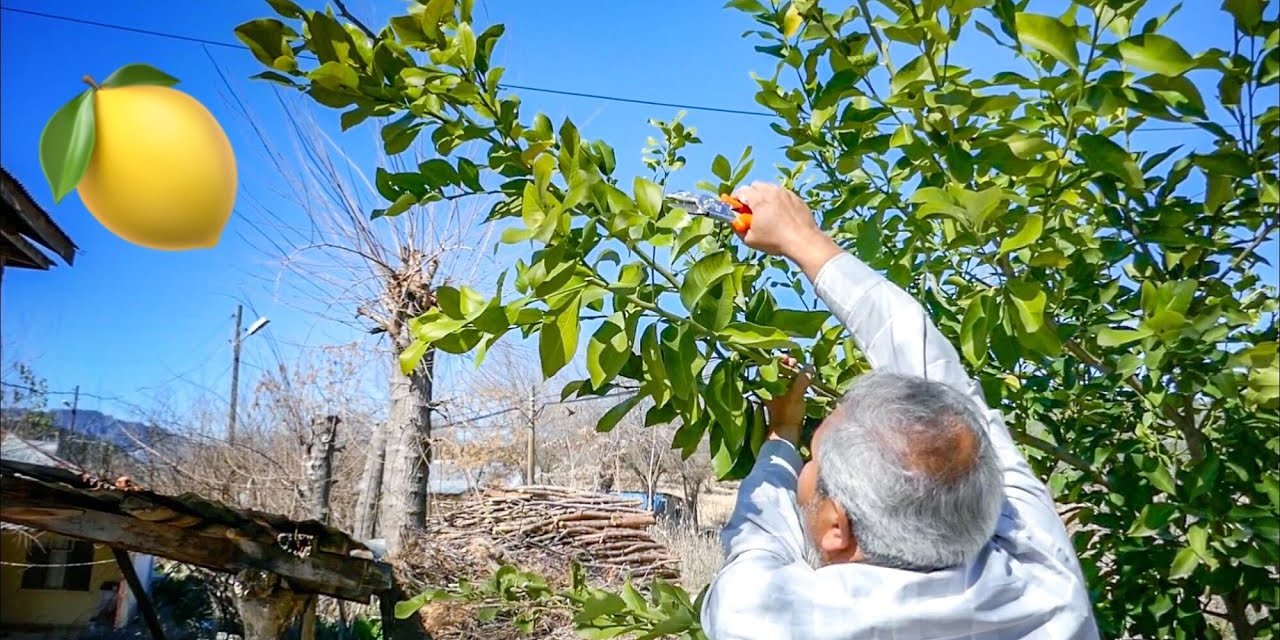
<point>34,504</point>
<point>139,593</point>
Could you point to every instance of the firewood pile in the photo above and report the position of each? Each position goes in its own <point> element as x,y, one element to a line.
<point>535,528</point>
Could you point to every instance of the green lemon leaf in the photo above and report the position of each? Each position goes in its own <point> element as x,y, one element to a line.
<point>1103,155</point>
<point>411,356</point>
<point>66,145</point>
<point>1048,34</point>
<point>1029,299</point>
<point>974,330</point>
<point>558,339</point>
<point>608,350</point>
<point>754,335</point>
<point>801,324</point>
<point>1156,53</point>
<point>1117,337</point>
<point>1028,232</point>
<point>614,415</point>
<point>648,197</point>
<point>1217,191</point>
<point>707,271</point>
<point>466,42</point>
<point>791,21</point>
<point>1184,563</point>
<point>136,74</point>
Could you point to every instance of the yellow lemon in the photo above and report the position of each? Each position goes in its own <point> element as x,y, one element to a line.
<point>162,173</point>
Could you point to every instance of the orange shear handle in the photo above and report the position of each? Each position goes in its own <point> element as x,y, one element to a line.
<point>742,223</point>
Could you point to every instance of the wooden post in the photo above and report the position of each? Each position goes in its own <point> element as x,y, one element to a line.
<point>268,607</point>
<point>144,601</point>
<point>531,445</point>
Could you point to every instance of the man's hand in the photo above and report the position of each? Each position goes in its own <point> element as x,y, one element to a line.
<point>781,224</point>
<point>786,412</point>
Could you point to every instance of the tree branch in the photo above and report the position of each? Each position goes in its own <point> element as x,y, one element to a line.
<point>342,9</point>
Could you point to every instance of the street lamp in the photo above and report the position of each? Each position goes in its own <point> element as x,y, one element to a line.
<point>236,339</point>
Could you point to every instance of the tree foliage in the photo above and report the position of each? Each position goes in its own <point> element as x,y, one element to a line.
<point>1105,294</point>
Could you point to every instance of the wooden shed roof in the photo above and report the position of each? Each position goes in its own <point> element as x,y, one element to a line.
<point>25,227</point>
<point>311,556</point>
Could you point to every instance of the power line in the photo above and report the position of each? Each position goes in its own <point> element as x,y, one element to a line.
<point>560,92</point>
<point>231,45</point>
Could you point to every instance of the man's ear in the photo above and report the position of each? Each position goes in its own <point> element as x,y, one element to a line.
<point>836,540</point>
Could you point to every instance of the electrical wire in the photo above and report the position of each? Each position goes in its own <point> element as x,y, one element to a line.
<point>536,89</point>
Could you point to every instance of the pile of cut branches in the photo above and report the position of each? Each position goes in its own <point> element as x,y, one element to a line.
<point>542,530</point>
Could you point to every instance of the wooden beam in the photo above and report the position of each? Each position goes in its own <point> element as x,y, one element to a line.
<point>35,504</point>
<point>139,593</point>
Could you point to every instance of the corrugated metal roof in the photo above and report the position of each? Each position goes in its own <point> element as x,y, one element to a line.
<point>25,224</point>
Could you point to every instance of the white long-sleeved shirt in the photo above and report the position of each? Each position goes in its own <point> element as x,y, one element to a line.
<point>1026,582</point>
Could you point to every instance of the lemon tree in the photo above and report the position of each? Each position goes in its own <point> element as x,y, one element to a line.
<point>1106,293</point>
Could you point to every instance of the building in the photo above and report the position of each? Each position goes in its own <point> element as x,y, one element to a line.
<point>27,231</point>
<point>54,585</point>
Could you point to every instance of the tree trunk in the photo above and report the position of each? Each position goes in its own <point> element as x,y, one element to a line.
<point>404,496</point>
<point>319,471</point>
<point>371,484</point>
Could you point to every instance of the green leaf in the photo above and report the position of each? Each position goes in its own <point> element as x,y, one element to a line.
<point>1029,299</point>
<point>704,273</point>
<point>648,197</point>
<point>1184,563</point>
<point>720,168</point>
<point>1155,53</point>
<point>287,8</point>
<point>66,145</point>
<point>608,349</point>
<point>139,74</point>
<point>754,335</point>
<point>1217,191</point>
<point>791,20</point>
<point>466,42</point>
<point>974,329</point>
<point>558,339</point>
<point>1117,337</point>
<point>1154,517</point>
<point>1105,156</point>
<point>980,205</point>
<point>1028,232</point>
<point>334,75</point>
<point>1048,34</point>
<point>406,608</point>
<point>268,40</point>
<point>614,415</point>
<point>803,324</point>
<point>412,356</point>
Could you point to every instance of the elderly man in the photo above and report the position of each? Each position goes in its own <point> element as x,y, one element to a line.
<point>917,516</point>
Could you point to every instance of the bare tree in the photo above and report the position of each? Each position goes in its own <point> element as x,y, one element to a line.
<point>376,276</point>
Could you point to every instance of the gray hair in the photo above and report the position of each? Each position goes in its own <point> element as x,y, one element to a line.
<point>911,463</point>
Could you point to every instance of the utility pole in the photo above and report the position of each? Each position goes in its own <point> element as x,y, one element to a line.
<point>235,376</point>
<point>75,405</point>
<point>531,449</point>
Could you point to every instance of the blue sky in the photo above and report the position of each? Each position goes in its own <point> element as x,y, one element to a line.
<point>135,324</point>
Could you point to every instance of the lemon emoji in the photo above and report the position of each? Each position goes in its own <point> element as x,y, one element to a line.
<point>149,162</point>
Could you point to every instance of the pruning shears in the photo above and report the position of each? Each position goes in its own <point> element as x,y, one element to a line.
<point>726,208</point>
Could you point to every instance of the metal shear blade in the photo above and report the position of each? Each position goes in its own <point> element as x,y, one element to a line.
<point>702,205</point>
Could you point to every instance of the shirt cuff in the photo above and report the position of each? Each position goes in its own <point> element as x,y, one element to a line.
<point>784,451</point>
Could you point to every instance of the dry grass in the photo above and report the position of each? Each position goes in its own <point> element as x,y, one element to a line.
<point>699,553</point>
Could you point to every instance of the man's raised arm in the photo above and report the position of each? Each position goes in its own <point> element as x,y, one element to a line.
<point>891,328</point>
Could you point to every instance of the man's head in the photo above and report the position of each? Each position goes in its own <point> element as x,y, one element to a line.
<point>902,475</point>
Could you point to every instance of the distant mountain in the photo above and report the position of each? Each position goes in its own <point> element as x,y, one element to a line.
<point>95,425</point>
